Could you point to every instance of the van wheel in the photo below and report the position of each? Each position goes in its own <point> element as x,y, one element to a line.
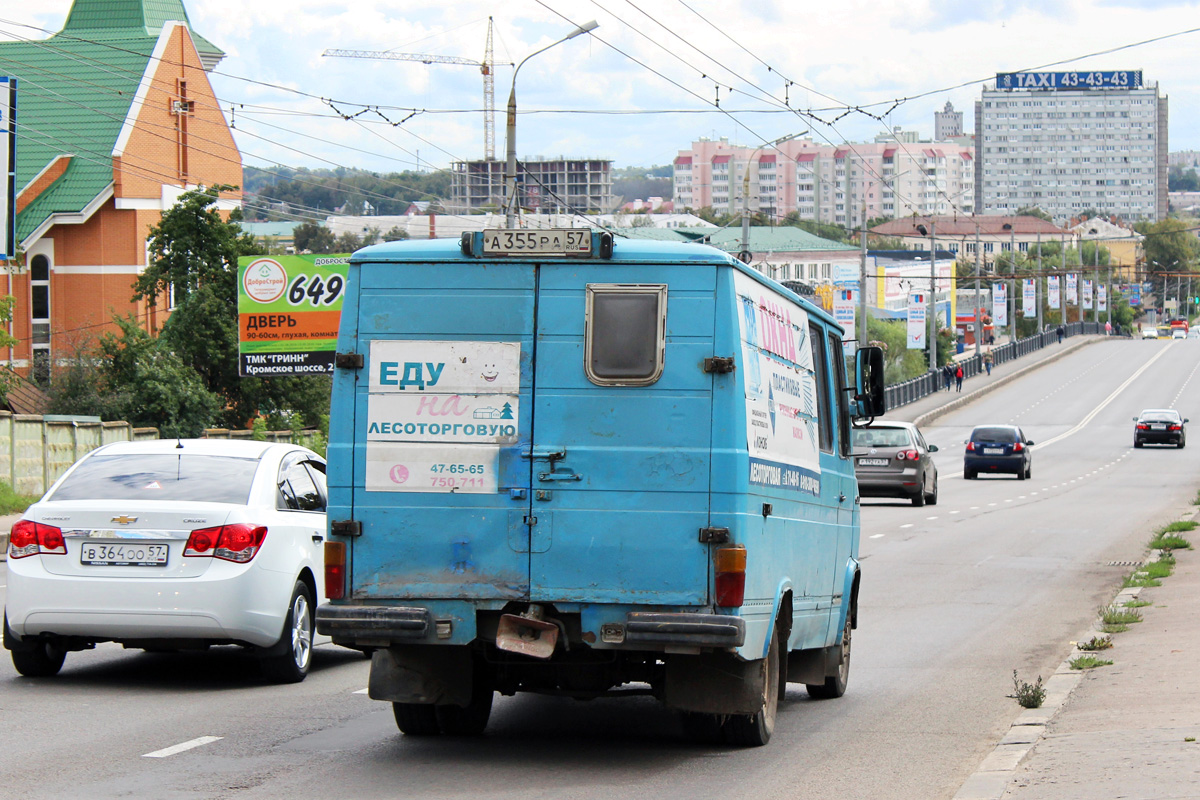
<point>290,659</point>
<point>835,685</point>
<point>416,719</point>
<point>471,719</point>
<point>754,730</point>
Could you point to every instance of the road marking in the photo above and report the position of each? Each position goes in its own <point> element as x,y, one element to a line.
<point>182,746</point>
<point>361,691</point>
<point>874,536</point>
<point>931,518</point>
<point>909,525</point>
<point>953,512</point>
<point>974,508</point>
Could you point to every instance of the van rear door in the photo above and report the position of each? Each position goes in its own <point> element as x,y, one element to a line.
<point>622,421</point>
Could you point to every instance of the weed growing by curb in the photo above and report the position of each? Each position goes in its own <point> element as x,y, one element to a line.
<point>1088,662</point>
<point>1161,568</point>
<point>1096,643</point>
<point>1140,578</point>
<point>1029,695</point>
<point>1136,604</point>
<point>13,502</point>
<point>1118,616</point>
<point>1168,538</point>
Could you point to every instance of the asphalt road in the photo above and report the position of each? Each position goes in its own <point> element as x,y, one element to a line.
<point>1000,575</point>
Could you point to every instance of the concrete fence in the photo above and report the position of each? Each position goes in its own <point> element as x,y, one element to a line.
<point>35,450</point>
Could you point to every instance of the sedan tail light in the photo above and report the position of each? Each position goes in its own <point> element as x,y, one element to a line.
<point>1175,428</point>
<point>1018,447</point>
<point>29,538</point>
<point>970,447</point>
<point>908,455</point>
<point>1143,426</point>
<point>237,543</point>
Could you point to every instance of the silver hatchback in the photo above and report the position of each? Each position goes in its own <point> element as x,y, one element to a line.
<point>892,459</point>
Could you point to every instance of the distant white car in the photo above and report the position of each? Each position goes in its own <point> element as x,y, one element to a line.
<point>1149,333</point>
<point>1178,333</point>
<point>170,545</point>
<point>1194,333</point>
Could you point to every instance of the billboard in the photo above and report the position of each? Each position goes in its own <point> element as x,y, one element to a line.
<point>1071,81</point>
<point>1052,294</point>
<point>289,308</point>
<point>916,320</point>
<point>1000,304</point>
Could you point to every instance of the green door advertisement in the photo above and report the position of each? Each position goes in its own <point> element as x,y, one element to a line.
<point>289,308</point>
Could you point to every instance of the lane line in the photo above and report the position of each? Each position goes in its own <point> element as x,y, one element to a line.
<point>364,691</point>
<point>874,536</point>
<point>182,746</point>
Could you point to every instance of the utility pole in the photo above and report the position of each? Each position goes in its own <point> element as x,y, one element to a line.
<point>978,313</point>
<point>862,280</point>
<point>1096,280</point>
<point>1038,278</point>
<point>1012,295</point>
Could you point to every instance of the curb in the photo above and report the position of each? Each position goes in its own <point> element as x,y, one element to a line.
<point>3,547</point>
<point>991,778</point>
<point>929,416</point>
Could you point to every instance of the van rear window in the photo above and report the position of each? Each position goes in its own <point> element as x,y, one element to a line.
<point>626,333</point>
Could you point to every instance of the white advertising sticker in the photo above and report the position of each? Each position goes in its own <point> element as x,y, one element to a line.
<point>438,412</point>
<point>780,389</point>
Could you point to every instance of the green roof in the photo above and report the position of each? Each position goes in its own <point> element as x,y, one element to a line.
<point>74,91</point>
<point>763,239</point>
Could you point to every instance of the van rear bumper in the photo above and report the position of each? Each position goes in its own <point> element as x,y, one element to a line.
<point>398,623</point>
<point>696,630</point>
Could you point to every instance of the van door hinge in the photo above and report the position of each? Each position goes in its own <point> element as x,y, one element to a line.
<point>345,527</point>
<point>348,360</point>
<point>714,535</point>
<point>720,365</point>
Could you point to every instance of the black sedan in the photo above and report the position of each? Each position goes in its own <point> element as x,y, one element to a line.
<point>1159,426</point>
<point>998,448</point>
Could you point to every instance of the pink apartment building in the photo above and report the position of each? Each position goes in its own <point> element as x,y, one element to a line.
<point>846,185</point>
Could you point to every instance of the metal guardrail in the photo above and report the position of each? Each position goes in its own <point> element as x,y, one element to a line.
<point>913,389</point>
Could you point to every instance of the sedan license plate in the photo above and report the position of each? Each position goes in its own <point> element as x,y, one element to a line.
<point>993,451</point>
<point>872,462</point>
<point>1158,427</point>
<point>122,554</point>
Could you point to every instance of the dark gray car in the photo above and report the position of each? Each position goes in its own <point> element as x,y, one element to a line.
<point>892,459</point>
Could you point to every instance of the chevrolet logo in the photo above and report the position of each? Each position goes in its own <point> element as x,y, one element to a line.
<point>124,520</point>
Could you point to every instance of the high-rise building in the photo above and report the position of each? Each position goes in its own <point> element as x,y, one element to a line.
<point>947,123</point>
<point>559,186</point>
<point>1067,142</point>
<point>846,185</point>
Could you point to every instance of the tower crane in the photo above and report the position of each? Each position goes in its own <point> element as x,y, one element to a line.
<point>487,67</point>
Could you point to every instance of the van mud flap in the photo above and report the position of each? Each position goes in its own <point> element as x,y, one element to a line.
<point>529,634</point>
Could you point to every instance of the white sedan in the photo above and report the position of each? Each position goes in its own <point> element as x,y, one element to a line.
<point>172,545</point>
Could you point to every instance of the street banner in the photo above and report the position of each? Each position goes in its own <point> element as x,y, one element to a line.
<point>1052,297</point>
<point>289,308</point>
<point>1086,299</point>
<point>843,311</point>
<point>1102,297</point>
<point>916,321</point>
<point>999,304</point>
<point>1029,297</point>
<point>1135,294</point>
<point>1072,289</point>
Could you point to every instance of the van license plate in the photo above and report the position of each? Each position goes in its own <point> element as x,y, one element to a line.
<point>122,554</point>
<point>872,462</point>
<point>544,242</point>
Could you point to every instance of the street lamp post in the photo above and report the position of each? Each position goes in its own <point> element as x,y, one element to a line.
<point>744,255</point>
<point>510,164</point>
<point>931,335</point>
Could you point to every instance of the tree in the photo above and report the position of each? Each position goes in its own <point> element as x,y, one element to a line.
<point>1034,211</point>
<point>310,237</point>
<point>1170,249</point>
<point>190,245</point>
<point>1181,180</point>
<point>7,376</point>
<point>395,234</point>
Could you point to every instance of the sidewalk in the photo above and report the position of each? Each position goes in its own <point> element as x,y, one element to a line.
<point>1118,731</point>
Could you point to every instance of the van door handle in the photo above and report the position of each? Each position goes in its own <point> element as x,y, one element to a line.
<point>841,498</point>
<point>559,476</point>
<point>550,454</point>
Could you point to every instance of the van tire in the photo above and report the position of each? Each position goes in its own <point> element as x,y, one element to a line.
<point>416,719</point>
<point>835,685</point>
<point>754,730</point>
<point>471,719</point>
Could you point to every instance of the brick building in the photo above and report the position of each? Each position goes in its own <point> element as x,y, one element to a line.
<point>115,119</point>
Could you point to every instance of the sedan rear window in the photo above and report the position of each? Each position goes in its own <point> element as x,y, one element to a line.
<point>881,437</point>
<point>994,435</point>
<point>196,478</point>
<point>1160,416</point>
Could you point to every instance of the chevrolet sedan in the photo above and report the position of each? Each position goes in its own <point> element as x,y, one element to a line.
<point>172,545</point>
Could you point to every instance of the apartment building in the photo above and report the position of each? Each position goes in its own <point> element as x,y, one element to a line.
<point>544,186</point>
<point>1066,142</point>
<point>846,185</point>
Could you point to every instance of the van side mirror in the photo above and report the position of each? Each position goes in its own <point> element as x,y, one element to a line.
<point>869,399</point>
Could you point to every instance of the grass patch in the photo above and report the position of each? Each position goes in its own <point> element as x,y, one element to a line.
<point>1159,569</point>
<point>1096,643</point>
<point>1136,604</point>
<point>1181,526</point>
<point>1170,541</point>
<point>13,503</point>
<point>1088,662</point>
<point>1113,627</point>
<point>1119,616</point>
<point>1029,695</point>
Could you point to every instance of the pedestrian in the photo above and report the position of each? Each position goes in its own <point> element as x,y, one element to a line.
<point>958,376</point>
<point>947,375</point>
<point>987,361</point>
<point>1060,330</point>
<point>1107,328</point>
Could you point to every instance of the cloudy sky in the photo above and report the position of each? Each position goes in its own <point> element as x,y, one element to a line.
<point>650,78</point>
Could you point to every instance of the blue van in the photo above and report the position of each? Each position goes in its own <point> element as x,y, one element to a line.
<point>569,464</point>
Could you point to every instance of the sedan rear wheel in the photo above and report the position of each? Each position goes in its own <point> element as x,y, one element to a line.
<point>290,659</point>
<point>932,498</point>
<point>43,660</point>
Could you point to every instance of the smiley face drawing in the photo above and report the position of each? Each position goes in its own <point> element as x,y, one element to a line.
<point>490,373</point>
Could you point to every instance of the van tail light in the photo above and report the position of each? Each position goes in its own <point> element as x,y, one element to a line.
<point>908,455</point>
<point>1018,447</point>
<point>238,543</point>
<point>335,570</point>
<point>731,576</point>
<point>29,538</point>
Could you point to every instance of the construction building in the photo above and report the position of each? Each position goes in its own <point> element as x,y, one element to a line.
<point>560,186</point>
